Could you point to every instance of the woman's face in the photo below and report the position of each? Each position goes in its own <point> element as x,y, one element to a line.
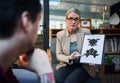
<point>72,21</point>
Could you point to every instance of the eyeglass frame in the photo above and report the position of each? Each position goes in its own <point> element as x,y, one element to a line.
<point>75,19</point>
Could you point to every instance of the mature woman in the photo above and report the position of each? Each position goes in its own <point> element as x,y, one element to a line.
<point>68,51</point>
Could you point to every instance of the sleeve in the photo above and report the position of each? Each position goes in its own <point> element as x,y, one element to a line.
<point>59,53</point>
<point>46,78</point>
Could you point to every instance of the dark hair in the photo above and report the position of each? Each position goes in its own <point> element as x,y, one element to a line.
<point>11,10</point>
<point>72,10</point>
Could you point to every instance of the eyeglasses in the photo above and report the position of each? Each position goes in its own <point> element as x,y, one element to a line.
<point>75,19</point>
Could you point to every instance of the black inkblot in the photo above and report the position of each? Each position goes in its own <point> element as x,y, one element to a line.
<point>91,52</point>
<point>92,42</point>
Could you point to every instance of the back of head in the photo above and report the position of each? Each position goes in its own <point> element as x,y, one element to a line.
<point>10,12</point>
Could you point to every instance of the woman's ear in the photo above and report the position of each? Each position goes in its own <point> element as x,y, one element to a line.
<point>23,60</point>
<point>25,19</point>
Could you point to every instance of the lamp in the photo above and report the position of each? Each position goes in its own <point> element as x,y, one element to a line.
<point>105,11</point>
<point>105,8</point>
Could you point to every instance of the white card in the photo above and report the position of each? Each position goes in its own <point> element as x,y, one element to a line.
<point>93,46</point>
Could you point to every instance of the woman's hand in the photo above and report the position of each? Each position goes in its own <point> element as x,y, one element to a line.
<point>75,55</point>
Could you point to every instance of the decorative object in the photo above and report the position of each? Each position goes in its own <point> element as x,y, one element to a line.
<point>86,23</point>
<point>104,14</point>
<point>93,49</point>
<point>109,59</point>
<point>114,20</point>
<point>109,65</point>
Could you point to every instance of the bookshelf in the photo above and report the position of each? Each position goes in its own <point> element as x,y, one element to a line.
<point>53,32</point>
<point>112,40</point>
<point>39,42</point>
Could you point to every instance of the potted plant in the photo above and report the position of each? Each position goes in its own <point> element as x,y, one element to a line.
<point>109,64</point>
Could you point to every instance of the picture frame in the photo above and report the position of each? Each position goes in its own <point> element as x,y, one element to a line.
<point>93,48</point>
<point>86,23</point>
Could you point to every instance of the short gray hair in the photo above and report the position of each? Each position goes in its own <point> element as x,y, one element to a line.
<point>72,10</point>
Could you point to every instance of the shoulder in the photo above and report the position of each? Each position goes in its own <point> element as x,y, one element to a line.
<point>61,33</point>
<point>85,30</point>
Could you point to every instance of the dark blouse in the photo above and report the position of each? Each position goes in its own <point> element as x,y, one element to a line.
<point>73,47</point>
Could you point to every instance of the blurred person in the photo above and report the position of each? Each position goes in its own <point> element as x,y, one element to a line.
<point>18,33</point>
<point>68,52</point>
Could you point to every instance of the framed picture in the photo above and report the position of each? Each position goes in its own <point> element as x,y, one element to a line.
<point>85,23</point>
<point>92,49</point>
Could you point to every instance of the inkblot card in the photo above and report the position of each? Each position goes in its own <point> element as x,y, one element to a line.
<point>93,48</point>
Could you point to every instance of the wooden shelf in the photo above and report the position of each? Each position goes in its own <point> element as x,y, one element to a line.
<point>112,53</point>
<point>113,35</point>
<point>95,31</point>
<point>111,31</point>
<point>107,31</point>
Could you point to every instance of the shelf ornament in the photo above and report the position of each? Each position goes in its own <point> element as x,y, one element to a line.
<point>114,20</point>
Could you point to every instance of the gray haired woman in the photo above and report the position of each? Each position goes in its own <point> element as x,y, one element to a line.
<point>68,52</point>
